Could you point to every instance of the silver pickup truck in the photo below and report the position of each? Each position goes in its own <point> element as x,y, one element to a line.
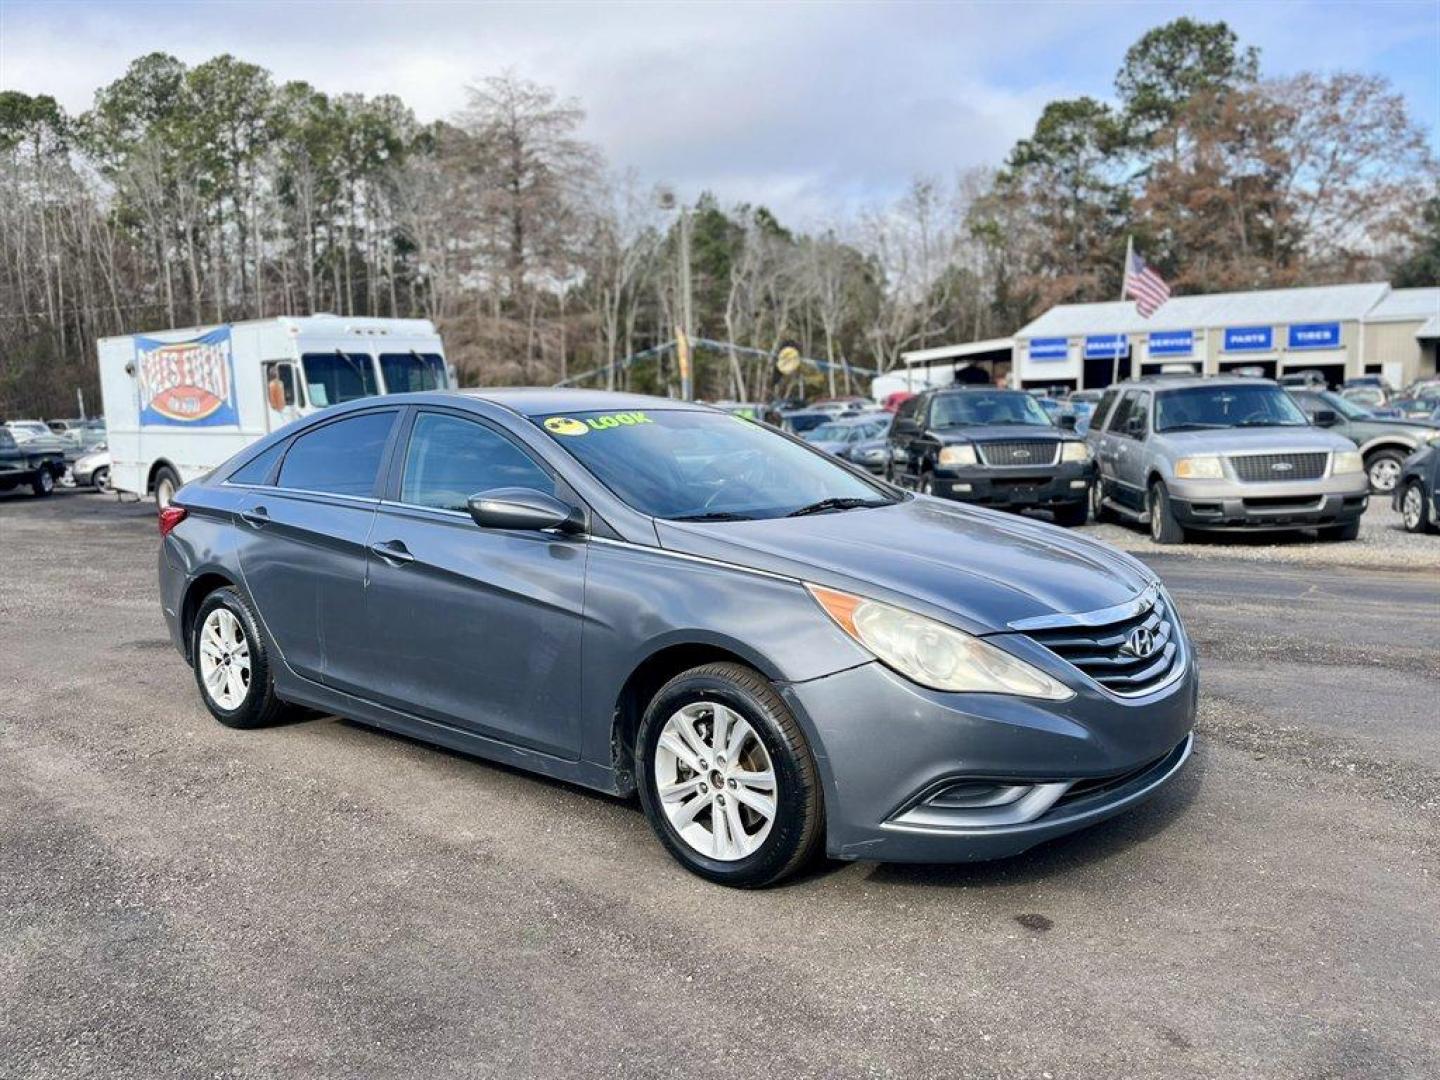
<point>1221,454</point>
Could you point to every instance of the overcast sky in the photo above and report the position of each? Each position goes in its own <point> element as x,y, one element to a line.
<point>808,108</point>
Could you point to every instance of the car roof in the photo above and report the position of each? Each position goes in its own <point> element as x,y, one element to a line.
<point>542,400</point>
<point>1187,382</point>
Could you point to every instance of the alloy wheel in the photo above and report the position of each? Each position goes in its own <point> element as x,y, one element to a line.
<point>46,480</point>
<point>1155,514</point>
<point>1412,507</point>
<point>164,492</point>
<point>715,781</point>
<point>1384,473</point>
<point>224,659</point>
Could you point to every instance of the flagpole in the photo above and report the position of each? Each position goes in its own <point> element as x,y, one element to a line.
<point>1124,277</point>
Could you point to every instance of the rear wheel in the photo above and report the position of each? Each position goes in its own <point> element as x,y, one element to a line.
<point>1413,509</point>
<point>1164,529</point>
<point>166,484</point>
<point>232,667</point>
<point>1383,467</point>
<point>1098,510</point>
<point>101,480</point>
<point>44,482</point>
<point>727,779</point>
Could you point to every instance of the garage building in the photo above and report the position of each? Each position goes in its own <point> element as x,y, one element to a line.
<point>1341,331</point>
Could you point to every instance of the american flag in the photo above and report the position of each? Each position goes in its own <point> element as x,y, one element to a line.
<point>1144,285</point>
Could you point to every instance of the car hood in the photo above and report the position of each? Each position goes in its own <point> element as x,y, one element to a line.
<point>1255,440</point>
<point>972,567</point>
<point>1399,423</point>
<point>1000,433</point>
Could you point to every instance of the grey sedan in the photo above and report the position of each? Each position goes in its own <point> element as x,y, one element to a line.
<point>781,655</point>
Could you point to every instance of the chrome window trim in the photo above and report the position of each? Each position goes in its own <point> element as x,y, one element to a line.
<point>278,490</point>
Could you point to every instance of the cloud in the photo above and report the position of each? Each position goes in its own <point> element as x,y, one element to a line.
<point>804,107</point>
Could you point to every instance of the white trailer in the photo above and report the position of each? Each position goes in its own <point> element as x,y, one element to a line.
<point>180,402</point>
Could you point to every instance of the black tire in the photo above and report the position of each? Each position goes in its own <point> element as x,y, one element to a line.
<point>1071,515</point>
<point>1164,529</point>
<point>1098,510</point>
<point>100,480</point>
<point>44,483</point>
<point>1389,463</point>
<point>260,707</point>
<point>798,830</point>
<point>166,484</point>
<point>1349,531</point>
<point>1415,515</point>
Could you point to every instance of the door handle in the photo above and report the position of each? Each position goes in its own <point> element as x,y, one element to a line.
<point>393,550</point>
<point>259,517</point>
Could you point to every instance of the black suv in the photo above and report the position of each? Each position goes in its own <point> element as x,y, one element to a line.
<point>998,448</point>
<point>25,464</point>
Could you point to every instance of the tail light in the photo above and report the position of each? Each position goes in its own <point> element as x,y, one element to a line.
<point>171,516</point>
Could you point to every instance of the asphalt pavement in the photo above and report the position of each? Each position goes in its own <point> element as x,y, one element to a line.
<point>178,899</point>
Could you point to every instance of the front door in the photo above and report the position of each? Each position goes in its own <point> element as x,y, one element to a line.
<point>477,628</point>
<point>302,543</point>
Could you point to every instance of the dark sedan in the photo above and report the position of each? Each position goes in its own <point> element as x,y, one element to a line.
<point>1417,491</point>
<point>994,447</point>
<point>780,655</point>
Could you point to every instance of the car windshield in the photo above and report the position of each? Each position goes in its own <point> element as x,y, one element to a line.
<point>977,407</point>
<point>412,371</point>
<point>338,376</point>
<point>688,464</point>
<point>830,433</point>
<point>1199,407</point>
<point>1345,407</point>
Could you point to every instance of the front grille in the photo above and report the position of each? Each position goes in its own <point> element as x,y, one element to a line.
<point>1268,468</point>
<point>1107,652</point>
<point>1019,452</point>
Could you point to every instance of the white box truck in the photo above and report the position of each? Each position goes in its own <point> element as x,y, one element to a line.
<point>180,402</point>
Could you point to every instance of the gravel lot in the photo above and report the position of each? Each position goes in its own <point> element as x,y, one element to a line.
<point>1383,543</point>
<point>179,899</point>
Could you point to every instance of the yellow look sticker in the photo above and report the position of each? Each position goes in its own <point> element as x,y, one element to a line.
<point>563,425</point>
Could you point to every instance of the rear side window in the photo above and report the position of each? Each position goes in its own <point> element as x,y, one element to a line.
<point>257,470</point>
<point>342,458</point>
<point>450,459</point>
<point>1107,401</point>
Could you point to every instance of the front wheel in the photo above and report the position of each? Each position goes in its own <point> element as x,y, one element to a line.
<point>1098,510</point>
<point>101,480</point>
<point>44,483</point>
<point>1164,529</point>
<point>1413,509</point>
<point>1384,468</point>
<point>727,778</point>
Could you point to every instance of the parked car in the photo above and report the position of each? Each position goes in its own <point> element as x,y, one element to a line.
<point>798,423</point>
<point>92,469</point>
<point>32,463</point>
<point>1417,491</point>
<point>1417,405</point>
<point>1221,454</point>
<point>1367,397</point>
<point>1089,397</point>
<point>1384,443</point>
<point>871,451</point>
<point>33,431</point>
<point>1379,382</point>
<point>841,437</point>
<point>1309,379</point>
<point>894,399</point>
<point>633,593</point>
<point>998,448</point>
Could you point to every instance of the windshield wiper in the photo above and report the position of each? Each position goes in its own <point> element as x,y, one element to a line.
<point>714,515</point>
<point>1268,423</point>
<point>824,506</point>
<point>1192,426</point>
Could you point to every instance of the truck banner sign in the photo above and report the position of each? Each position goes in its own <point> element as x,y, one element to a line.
<point>187,383</point>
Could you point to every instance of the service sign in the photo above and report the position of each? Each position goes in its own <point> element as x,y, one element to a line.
<point>1172,343</point>
<point>187,383</point>
<point>1049,348</point>
<point>1106,346</point>
<point>1249,338</point>
<point>1318,335</point>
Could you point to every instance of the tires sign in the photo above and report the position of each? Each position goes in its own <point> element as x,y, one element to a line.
<point>187,383</point>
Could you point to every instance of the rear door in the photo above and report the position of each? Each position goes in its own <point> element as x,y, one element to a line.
<point>302,534</point>
<point>1126,431</point>
<point>477,628</point>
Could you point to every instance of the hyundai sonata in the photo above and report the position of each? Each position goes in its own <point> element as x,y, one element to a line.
<point>779,653</point>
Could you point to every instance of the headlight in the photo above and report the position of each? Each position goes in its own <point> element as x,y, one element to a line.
<point>933,654</point>
<point>958,455</point>
<point>1074,451</point>
<point>1199,468</point>
<point>1347,462</point>
<point>1433,440</point>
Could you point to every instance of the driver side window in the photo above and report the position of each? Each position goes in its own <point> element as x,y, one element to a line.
<point>448,459</point>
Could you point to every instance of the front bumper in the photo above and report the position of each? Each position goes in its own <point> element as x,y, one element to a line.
<point>1229,505</point>
<point>1024,488</point>
<point>886,747</point>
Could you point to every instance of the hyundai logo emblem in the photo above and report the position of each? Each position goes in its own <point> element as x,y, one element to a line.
<point>1139,643</point>
<point>1281,466</point>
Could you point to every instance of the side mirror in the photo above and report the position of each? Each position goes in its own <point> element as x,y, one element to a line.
<point>1067,421</point>
<point>1325,418</point>
<point>524,508</point>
